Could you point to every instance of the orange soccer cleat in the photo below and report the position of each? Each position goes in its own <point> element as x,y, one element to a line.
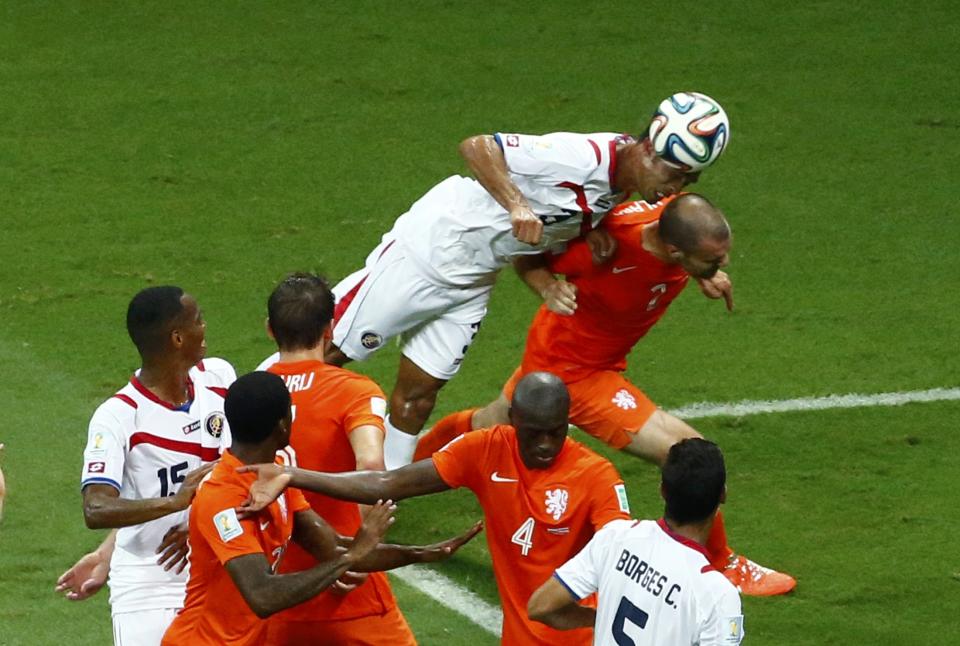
<point>755,580</point>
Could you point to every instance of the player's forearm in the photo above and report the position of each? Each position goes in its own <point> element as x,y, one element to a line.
<point>532,270</point>
<point>488,165</point>
<point>567,618</point>
<point>273,593</point>
<point>108,512</point>
<point>360,486</point>
<point>387,557</point>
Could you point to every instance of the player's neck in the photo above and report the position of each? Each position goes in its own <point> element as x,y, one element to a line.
<point>696,532</point>
<point>254,453</point>
<point>292,356</point>
<point>652,243</point>
<point>170,383</point>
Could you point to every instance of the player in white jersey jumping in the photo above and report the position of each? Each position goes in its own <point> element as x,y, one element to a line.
<point>430,278</point>
<point>654,578</point>
<point>142,463</point>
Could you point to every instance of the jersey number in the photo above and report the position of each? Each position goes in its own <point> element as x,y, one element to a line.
<point>173,475</point>
<point>657,290</point>
<point>627,612</point>
<point>524,536</point>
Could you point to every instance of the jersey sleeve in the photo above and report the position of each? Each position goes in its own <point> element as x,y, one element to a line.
<point>549,159</point>
<point>217,522</point>
<point>609,498</point>
<point>458,462</point>
<point>296,501</point>
<point>581,574</point>
<point>221,370</point>
<point>106,450</point>
<point>724,625</point>
<point>366,405</point>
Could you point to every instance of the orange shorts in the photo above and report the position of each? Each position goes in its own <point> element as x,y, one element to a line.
<point>390,629</point>
<point>603,404</point>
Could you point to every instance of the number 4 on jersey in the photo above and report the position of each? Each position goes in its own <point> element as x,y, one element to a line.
<point>524,536</point>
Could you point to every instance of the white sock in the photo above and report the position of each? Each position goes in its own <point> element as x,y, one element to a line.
<point>398,447</point>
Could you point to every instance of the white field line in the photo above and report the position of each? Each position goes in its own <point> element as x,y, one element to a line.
<point>453,596</point>
<point>490,617</point>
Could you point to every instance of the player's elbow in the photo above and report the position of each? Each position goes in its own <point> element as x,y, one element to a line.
<point>93,515</point>
<point>259,603</point>
<point>537,609</point>
<point>474,148</point>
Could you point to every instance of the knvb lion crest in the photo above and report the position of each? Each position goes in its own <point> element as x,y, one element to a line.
<point>557,502</point>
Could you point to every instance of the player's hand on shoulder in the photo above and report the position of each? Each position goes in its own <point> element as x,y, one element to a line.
<point>85,578</point>
<point>602,245</point>
<point>376,522</point>
<point>271,480</point>
<point>446,549</point>
<point>188,489</point>
<point>527,227</point>
<point>560,297</point>
<point>173,549</point>
<point>719,286</point>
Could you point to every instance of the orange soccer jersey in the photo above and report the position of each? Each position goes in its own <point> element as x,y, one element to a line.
<point>536,519</point>
<point>617,302</point>
<point>215,613</point>
<point>329,403</point>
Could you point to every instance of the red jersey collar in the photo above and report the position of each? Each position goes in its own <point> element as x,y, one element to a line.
<point>683,539</point>
<point>146,392</point>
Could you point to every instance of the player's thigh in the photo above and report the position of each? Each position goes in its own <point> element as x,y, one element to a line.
<point>141,627</point>
<point>385,299</point>
<point>390,629</point>
<point>610,408</point>
<point>439,345</point>
<point>653,441</point>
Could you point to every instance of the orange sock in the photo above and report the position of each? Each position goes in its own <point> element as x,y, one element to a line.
<point>451,426</point>
<point>717,547</point>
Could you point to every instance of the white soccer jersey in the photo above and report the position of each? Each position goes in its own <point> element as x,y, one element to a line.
<point>461,236</point>
<point>655,588</point>
<point>144,447</point>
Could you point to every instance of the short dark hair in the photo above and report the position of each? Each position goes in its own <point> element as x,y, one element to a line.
<point>693,480</point>
<point>540,399</point>
<point>255,403</point>
<point>150,315</point>
<point>299,310</point>
<point>690,218</point>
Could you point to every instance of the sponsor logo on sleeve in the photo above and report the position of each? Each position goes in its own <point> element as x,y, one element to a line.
<point>734,630</point>
<point>378,406</point>
<point>513,141</point>
<point>227,524</point>
<point>96,467</point>
<point>371,340</point>
<point>621,490</point>
<point>214,424</point>
<point>191,427</point>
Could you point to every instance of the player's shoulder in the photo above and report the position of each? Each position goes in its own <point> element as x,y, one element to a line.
<point>588,460</point>
<point>636,212</point>
<point>586,151</point>
<point>119,408</point>
<point>349,381</point>
<point>214,373</point>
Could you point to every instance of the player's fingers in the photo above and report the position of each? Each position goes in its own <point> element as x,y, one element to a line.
<point>728,297</point>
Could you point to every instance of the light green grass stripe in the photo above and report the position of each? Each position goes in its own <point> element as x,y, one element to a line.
<point>453,596</point>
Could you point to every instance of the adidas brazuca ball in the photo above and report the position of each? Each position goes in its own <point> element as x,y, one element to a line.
<point>689,130</point>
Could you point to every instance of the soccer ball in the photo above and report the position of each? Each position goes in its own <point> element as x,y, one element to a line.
<point>689,130</point>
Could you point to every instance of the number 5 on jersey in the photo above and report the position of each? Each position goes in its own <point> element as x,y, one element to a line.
<point>524,536</point>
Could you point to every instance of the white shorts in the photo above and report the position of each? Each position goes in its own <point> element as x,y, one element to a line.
<point>141,627</point>
<point>391,297</point>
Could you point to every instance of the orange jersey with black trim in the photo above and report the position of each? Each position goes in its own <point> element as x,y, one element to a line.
<point>617,302</point>
<point>535,519</point>
<point>214,611</point>
<point>328,404</point>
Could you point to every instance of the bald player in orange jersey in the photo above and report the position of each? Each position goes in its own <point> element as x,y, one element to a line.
<point>337,426</point>
<point>590,322</point>
<point>544,495</point>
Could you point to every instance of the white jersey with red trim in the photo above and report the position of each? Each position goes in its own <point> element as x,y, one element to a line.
<point>655,588</point>
<point>461,236</point>
<point>145,447</point>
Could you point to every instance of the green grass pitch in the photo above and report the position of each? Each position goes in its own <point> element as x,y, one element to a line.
<point>220,145</point>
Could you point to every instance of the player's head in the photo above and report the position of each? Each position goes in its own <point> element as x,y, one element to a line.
<point>696,235</point>
<point>539,411</point>
<point>693,481</point>
<point>258,410</point>
<point>299,312</point>
<point>164,319</point>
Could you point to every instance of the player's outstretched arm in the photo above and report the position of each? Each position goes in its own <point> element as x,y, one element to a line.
<point>89,574</point>
<point>488,165</point>
<point>388,557</point>
<point>417,479</point>
<point>103,507</point>
<point>268,593</point>
<point>553,604</point>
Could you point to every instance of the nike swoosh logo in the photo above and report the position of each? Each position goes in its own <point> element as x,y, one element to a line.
<point>264,524</point>
<point>497,478</point>
<point>620,270</point>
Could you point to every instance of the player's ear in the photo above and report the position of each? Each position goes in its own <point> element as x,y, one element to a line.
<point>328,332</point>
<point>723,496</point>
<point>674,252</point>
<point>266,324</point>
